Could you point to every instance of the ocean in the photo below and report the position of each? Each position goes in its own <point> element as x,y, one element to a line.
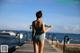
<point>75,38</point>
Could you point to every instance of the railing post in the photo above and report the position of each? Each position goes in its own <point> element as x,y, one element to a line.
<point>64,45</point>
<point>66,38</point>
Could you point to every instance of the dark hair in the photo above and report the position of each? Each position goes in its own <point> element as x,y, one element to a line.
<point>39,14</point>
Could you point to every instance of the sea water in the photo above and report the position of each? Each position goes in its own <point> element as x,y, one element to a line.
<point>27,36</point>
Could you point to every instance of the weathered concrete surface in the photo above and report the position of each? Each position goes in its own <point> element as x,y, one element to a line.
<point>28,48</point>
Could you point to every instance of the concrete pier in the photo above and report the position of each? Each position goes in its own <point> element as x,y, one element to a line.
<point>28,48</point>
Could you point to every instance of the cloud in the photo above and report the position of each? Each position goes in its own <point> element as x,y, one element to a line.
<point>71,29</point>
<point>66,29</point>
<point>56,28</point>
<point>14,27</point>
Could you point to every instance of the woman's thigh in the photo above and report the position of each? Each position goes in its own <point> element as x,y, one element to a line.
<point>41,44</point>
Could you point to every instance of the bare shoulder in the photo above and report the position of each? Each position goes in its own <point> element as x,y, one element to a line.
<point>33,22</point>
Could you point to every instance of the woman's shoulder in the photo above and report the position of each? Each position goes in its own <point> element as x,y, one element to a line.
<point>43,23</point>
<point>33,21</point>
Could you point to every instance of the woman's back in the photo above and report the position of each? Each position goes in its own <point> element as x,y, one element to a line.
<point>38,27</point>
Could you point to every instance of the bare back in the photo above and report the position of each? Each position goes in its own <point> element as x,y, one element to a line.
<point>38,27</point>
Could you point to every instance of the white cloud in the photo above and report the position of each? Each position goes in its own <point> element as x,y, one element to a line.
<point>66,29</point>
<point>14,27</point>
<point>56,28</point>
<point>71,29</point>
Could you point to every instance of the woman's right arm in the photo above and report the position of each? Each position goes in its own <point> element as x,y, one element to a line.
<point>45,29</point>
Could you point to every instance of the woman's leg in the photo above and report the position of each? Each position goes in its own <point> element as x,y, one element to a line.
<point>35,47</point>
<point>41,46</point>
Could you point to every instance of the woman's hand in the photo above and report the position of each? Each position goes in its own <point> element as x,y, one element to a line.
<point>48,27</point>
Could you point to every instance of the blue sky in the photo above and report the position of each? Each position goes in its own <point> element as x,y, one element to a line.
<point>64,15</point>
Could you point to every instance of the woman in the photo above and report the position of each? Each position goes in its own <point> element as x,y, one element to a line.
<point>38,36</point>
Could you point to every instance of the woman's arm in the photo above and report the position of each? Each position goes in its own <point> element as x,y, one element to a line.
<point>46,29</point>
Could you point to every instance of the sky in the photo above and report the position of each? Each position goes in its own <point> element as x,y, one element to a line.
<point>63,15</point>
